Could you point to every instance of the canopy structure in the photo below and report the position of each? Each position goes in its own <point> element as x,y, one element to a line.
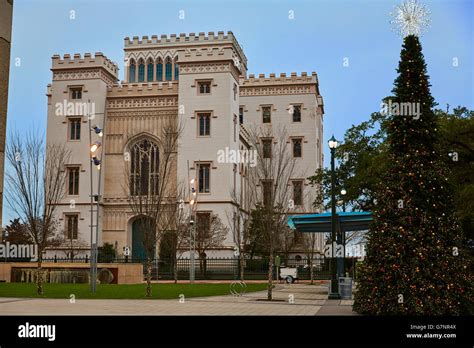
<point>321,223</point>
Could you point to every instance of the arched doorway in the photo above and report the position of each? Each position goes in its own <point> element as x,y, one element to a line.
<point>138,237</point>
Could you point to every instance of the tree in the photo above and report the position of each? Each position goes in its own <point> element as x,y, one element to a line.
<point>269,181</point>
<point>17,232</point>
<point>152,187</point>
<point>210,234</point>
<point>35,186</point>
<point>415,263</point>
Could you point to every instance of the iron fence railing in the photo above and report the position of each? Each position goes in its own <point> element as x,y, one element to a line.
<point>218,268</point>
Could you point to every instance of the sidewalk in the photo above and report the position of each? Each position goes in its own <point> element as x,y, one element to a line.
<point>288,299</point>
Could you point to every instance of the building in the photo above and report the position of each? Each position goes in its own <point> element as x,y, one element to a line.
<point>6,12</point>
<point>201,79</point>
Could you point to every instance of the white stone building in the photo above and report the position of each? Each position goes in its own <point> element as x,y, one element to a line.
<point>202,79</point>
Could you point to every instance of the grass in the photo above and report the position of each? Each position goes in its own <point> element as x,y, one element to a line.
<point>121,291</point>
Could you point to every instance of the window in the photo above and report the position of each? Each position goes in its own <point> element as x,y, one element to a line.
<point>267,114</point>
<point>241,115</point>
<point>168,69</point>
<point>203,225</point>
<point>267,192</point>
<point>204,124</point>
<point>144,168</point>
<point>204,178</point>
<point>204,87</point>
<point>149,70</point>
<point>141,70</point>
<point>176,69</point>
<point>296,113</point>
<point>73,181</point>
<point>297,144</point>
<point>298,192</point>
<point>76,93</point>
<point>132,71</point>
<point>71,226</point>
<point>235,127</point>
<point>74,129</point>
<point>159,70</point>
<point>267,148</point>
<point>235,91</point>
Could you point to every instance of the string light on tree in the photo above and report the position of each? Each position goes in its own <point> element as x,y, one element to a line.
<point>410,18</point>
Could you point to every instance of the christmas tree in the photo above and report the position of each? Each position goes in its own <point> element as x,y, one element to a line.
<point>415,263</point>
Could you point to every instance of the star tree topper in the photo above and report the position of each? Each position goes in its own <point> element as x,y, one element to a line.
<point>410,18</point>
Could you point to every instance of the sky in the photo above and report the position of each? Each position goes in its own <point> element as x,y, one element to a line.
<point>315,36</point>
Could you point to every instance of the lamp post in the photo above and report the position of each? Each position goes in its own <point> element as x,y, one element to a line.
<point>343,193</point>
<point>192,231</point>
<point>341,261</point>
<point>95,161</point>
<point>334,291</point>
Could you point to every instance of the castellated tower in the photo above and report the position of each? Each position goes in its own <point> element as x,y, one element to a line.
<point>77,97</point>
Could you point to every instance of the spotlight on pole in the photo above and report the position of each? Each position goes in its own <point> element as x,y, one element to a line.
<point>95,146</point>
<point>98,131</point>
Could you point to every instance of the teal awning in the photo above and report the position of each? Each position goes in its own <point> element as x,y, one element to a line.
<point>321,223</point>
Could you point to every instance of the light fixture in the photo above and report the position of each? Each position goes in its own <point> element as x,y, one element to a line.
<point>191,201</point>
<point>96,162</point>
<point>95,146</point>
<point>343,192</point>
<point>333,143</point>
<point>98,131</point>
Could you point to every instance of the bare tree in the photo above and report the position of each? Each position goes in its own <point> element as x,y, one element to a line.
<point>272,174</point>
<point>151,185</point>
<point>35,180</point>
<point>210,234</point>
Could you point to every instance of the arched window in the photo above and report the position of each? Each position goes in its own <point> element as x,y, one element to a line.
<point>141,70</point>
<point>144,168</point>
<point>131,71</point>
<point>168,69</point>
<point>150,67</point>
<point>176,69</point>
<point>159,70</point>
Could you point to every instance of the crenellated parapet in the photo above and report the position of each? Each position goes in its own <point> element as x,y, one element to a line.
<point>279,85</point>
<point>143,89</point>
<point>88,61</point>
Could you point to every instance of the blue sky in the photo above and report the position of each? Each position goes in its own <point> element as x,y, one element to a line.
<point>319,37</point>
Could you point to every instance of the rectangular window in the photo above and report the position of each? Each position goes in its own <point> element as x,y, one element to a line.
<point>204,178</point>
<point>203,224</point>
<point>241,115</point>
<point>72,226</point>
<point>204,120</point>
<point>266,114</point>
<point>296,113</point>
<point>267,193</point>
<point>74,129</point>
<point>298,192</point>
<point>235,127</point>
<point>76,93</point>
<point>297,147</point>
<point>204,87</point>
<point>73,181</point>
<point>267,148</point>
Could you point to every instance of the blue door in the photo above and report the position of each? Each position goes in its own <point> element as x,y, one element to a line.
<point>138,248</point>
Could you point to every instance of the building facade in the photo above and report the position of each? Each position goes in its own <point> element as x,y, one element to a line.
<point>6,12</point>
<point>199,79</point>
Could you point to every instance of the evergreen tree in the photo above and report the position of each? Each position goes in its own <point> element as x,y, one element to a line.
<point>415,262</point>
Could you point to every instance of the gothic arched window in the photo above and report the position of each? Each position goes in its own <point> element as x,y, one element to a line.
<point>159,70</point>
<point>169,69</point>
<point>131,71</point>
<point>144,168</point>
<point>150,67</point>
<point>141,70</point>
<point>176,69</point>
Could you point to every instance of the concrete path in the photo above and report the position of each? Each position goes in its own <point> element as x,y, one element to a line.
<point>293,299</point>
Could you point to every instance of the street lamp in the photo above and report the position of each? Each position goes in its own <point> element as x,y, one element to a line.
<point>334,291</point>
<point>192,231</point>
<point>343,193</point>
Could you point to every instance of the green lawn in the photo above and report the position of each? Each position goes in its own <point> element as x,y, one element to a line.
<point>122,291</point>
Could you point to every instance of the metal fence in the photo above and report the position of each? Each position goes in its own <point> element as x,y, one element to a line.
<point>219,268</point>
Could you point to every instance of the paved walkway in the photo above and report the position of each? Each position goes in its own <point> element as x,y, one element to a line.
<point>293,299</point>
